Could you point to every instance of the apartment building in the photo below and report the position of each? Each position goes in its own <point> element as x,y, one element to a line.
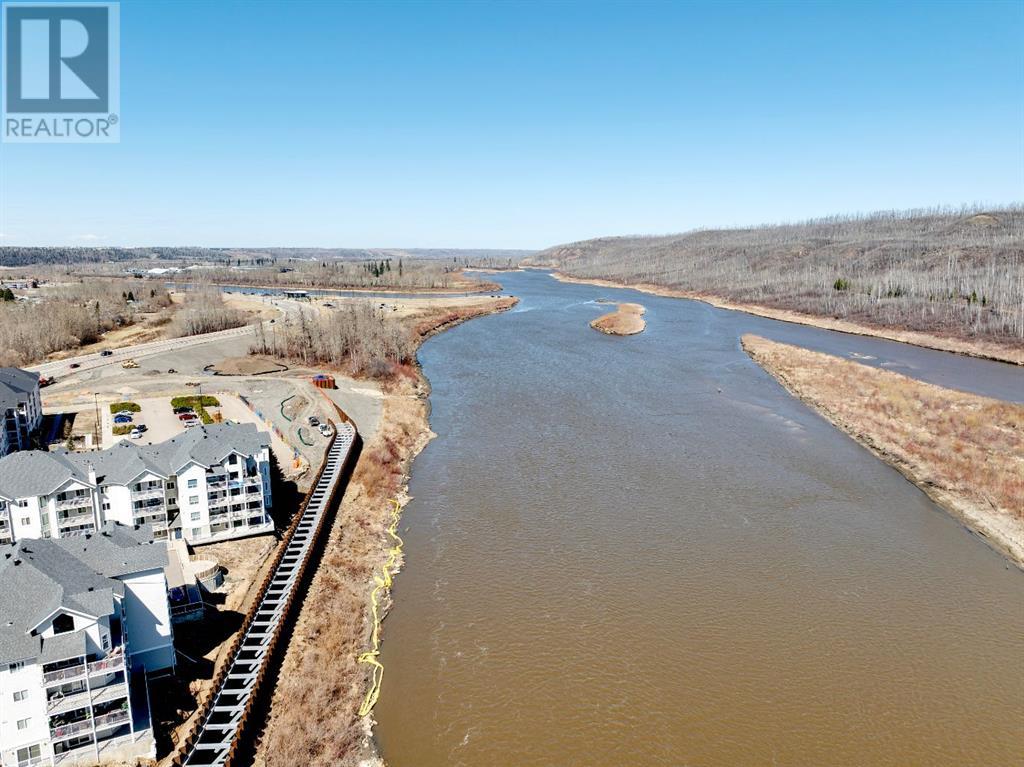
<point>209,484</point>
<point>21,409</point>
<point>85,619</point>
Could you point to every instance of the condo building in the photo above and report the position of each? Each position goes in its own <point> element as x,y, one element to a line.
<point>84,620</point>
<point>208,484</point>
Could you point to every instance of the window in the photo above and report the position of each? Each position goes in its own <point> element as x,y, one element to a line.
<point>26,521</point>
<point>16,666</point>
<point>193,483</point>
<point>23,723</point>
<point>63,623</point>
<point>106,506</point>
<point>106,642</point>
<point>193,499</point>
<point>194,516</point>
<point>232,459</point>
<point>196,531</point>
<point>20,695</point>
<point>27,754</point>
<point>170,485</point>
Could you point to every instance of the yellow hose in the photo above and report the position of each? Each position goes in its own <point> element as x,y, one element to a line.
<point>383,582</point>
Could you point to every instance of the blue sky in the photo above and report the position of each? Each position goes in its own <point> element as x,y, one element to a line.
<point>527,124</point>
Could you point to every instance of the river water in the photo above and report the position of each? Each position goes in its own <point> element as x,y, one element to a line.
<point>643,551</point>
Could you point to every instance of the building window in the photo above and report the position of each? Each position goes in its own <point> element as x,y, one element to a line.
<point>196,531</point>
<point>193,499</point>
<point>63,623</point>
<point>195,516</point>
<point>232,459</point>
<point>26,521</point>
<point>27,754</point>
<point>20,695</point>
<point>106,506</point>
<point>23,723</point>
<point>106,642</point>
<point>16,666</point>
<point>193,483</point>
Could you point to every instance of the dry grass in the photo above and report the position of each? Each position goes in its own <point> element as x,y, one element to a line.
<point>626,320</point>
<point>966,451</point>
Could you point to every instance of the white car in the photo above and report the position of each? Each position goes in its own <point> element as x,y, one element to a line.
<point>135,434</point>
<point>325,429</point>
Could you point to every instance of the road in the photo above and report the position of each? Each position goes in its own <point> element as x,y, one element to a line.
<point>245,334</point>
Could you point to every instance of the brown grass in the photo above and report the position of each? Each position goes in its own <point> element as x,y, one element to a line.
<point>965,451</point>
<point>626,320</point>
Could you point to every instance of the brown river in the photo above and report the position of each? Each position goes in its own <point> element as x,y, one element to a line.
<point>643,551</point>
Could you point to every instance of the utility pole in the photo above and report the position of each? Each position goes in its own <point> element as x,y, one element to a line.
<point>96,428</point>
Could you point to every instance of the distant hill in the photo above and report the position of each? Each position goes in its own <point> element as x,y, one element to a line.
<point>949,272</point>
<point>27,256</point>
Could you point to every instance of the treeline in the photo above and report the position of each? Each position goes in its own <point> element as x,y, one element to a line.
<point>357,338</point>
<point>204,311</point>
<point>67,316</point>
<point>956,272</point>
<point>383,274</point>
<point>70,256</point>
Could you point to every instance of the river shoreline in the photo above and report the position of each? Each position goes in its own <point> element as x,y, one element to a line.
<point>314,712</point>
<point>812,378</point>
<point>980,349</point>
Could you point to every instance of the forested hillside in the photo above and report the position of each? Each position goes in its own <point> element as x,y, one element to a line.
<point>958,273</point>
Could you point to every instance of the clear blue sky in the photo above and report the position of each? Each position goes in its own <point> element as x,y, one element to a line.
<point>525,125</point>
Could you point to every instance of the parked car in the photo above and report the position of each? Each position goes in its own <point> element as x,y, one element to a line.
<point>183,409</point>
<point>74,366</point>
<point>187,417</point>
<point>325,429</point>
<point>106,353</point>
<point>135,434</point>
<point>171,370</point>
<point>129,364</point>
<point>125,412</point>
<point>191,422</point>
<point>141,427</point>
<point>314,421</point>
<point>122,419</point>
<point>46,380</point>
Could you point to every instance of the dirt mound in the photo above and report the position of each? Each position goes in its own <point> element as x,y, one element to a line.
<point>246,366</point>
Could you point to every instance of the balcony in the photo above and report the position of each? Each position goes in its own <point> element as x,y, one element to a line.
<point>113,662</point>
<point>74,515</point>
<point>67,702</point>
<point>64,731</point>
<point>73,501</point>
<point>152,492</point>
<point>69,674</point>
<point>113,719</point>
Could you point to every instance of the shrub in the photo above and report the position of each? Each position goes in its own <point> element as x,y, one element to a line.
<point>116,407</point>
<point>121,429</point>
<point>841,284</point>
<point>199,404</point>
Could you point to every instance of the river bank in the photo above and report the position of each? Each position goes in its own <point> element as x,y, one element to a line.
<point>964,451</point>
<point>980,349</point>
<point>313,716</point>
<point>626,320</point>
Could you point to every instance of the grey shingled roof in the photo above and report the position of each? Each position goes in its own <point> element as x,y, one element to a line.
<point>34,472</point>
<point>15,386</point>
<point>39,576</point>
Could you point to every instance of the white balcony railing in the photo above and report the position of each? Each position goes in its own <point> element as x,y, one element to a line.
<point>113,719</point>
<point>70,730</point>
<point>68,674</point>
<point>73,501</point>
<point>113,662</point>
<point>67,702</point>
<point>143,495</point>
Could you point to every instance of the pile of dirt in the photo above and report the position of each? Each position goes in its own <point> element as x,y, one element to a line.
<point>246,366</point>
